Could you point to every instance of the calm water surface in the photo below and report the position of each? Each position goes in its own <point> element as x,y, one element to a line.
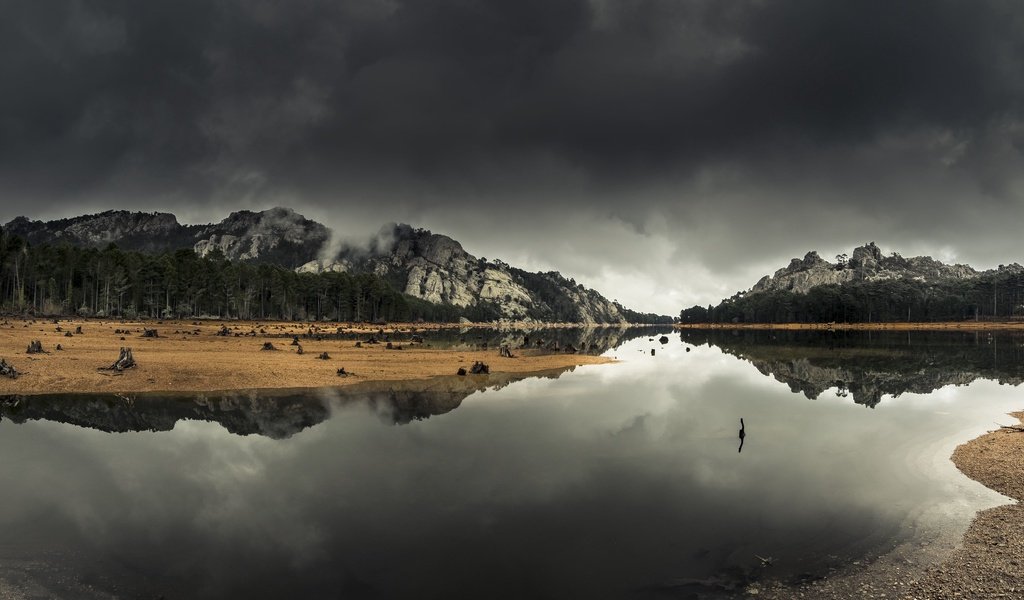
<point>610,481</point>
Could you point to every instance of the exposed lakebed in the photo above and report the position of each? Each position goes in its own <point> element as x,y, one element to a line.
<point>609,481</point>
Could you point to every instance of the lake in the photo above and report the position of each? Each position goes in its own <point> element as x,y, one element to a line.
<point>622,480</point>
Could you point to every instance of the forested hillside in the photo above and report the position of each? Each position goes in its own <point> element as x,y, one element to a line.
<point>997,294</point>
<point>65,280</point>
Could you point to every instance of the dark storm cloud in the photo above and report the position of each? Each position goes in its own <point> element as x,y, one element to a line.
<point>654,114</point>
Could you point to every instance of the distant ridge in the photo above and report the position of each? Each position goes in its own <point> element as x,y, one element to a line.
<point>867,263</point>
<point>868,286</point>
<point>417,262</point>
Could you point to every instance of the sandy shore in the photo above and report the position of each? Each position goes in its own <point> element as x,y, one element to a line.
<point>988,564</point>
<point>190,356</point>
<point>938,326</point>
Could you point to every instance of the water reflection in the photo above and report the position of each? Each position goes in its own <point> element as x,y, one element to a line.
<point>867,365</point>
<point>271,413</point>
<point>614,481</point>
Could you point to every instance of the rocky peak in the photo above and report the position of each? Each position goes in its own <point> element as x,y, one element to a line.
<point>866,263</point>
<point>867,255</point>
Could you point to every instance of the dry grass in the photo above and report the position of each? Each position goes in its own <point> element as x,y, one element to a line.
<point>196,359</point>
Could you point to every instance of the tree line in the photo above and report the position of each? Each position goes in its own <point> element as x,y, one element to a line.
<point>110,282</point>
<point>994,295</point>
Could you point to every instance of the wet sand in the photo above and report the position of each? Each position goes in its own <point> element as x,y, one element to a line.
<point>190,356</point>
<point>989,563</point>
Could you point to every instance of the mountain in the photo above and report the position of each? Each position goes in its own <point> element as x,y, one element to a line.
<point>417,262</point>
<point>871,287</point>
<point>278,235</point>
<point>866,264</point>
<point>436,268</point>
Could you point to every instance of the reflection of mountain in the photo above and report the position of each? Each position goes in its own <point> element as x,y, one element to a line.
<point>583,340</point>
<point>868,365</point>
<point>274,414</point>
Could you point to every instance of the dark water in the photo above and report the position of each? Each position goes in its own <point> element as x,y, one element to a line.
<point>611,481</point>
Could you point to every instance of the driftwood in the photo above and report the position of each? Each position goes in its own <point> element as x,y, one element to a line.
<point>505,352</point>
<point>8,370</point>
<point>125,360</point>
<point>324,356</point>
<point>36,347</point>
<point>479,368</point>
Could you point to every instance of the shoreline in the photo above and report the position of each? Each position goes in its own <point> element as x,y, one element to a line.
<point>913,326</point>
<point>189,356</point>
<point>985,563</point>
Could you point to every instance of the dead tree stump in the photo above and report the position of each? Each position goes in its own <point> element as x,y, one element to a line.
<point>461,372</point>
<point>78,330</point>
<point>125,360</point>
<point>267,346</point>
<point>224,331</point>
<point>295,340</point>
<point>8,370</point>
<point>59,347</point>
<point>343,373</point>
<point>479,368</point>
<point>36,347</point>
<point>505,352</point>
<point>324,356</point>
<point>299,350</point>
<point>150,333</point>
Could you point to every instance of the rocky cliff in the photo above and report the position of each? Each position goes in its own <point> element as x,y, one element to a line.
<point>436,268</point>
<point>278,235</point>
<point>420,263</point>
<point>867,263</point>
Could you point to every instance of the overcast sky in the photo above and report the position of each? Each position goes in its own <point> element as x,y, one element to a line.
<point>665,152</point>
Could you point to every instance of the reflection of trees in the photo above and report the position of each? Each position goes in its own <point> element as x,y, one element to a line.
<point>869,365</point>
<point>274,414</point>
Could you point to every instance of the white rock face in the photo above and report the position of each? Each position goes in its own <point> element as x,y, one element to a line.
<point>438,269</point>
<point>866,264</point>
<point>322,266</point>
<point>247,235</point>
